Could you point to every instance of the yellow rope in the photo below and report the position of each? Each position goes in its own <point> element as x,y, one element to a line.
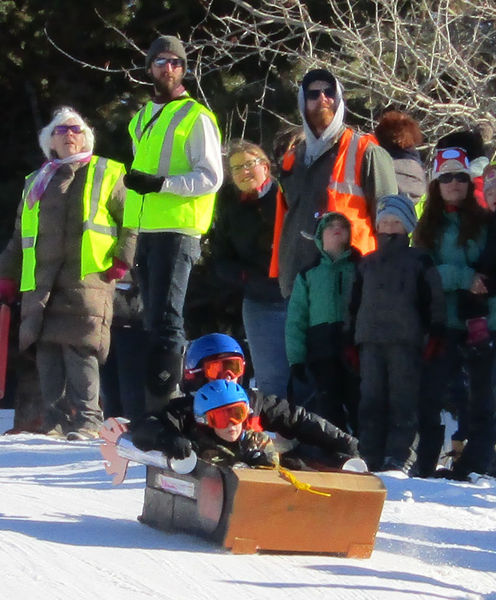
<point>299,485</point>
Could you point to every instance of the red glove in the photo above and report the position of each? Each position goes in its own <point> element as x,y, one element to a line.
<point>352,356</point>
<point>117,270</point>
<point>8,290</point>
<point>434,347</point>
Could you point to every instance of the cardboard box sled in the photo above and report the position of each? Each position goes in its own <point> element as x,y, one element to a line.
<point>247,510</point>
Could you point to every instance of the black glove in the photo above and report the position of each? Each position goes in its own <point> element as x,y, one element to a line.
<point>258,450</point>
<point>346,444</point>
<point>146,434</point>
<point>143,183</point>
<point>175,446</point>
<point>298,371</point>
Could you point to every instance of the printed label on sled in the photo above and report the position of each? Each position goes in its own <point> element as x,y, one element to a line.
<point>176,486</point>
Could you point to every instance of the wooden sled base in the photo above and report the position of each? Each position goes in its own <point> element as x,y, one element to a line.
<point>250,510</point>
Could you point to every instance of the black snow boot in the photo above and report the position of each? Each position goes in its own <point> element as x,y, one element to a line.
<point>428,451</point>
<point>164,373</point>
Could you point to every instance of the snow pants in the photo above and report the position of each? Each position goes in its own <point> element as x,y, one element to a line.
<point>387,413</point>
<point>70,386</point>
<point>337,393</point>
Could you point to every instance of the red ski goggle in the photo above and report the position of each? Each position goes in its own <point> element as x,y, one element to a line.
<point>222,417</point>
<point>230,367</point>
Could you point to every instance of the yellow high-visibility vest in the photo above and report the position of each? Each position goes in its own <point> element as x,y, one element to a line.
<point>160,150</point>
<point>99,228</point>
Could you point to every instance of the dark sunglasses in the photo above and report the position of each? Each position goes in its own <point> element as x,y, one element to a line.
<point>175,63</point>
<point>63,129</point>
<point>314,94</point>
<point>448,177</point>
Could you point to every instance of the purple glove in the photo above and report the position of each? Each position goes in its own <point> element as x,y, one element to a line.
<point>8,290</point>
<point>117,270</point>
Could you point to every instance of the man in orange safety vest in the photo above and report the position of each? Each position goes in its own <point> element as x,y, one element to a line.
<point>332,169</point>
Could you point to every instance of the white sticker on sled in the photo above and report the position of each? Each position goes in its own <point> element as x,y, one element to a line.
<point>176,486</point>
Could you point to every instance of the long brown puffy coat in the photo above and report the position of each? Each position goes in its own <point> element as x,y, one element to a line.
<point>63,308</point>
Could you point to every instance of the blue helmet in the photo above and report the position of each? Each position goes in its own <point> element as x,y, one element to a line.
<point>210,345</point>
<point>220,392</point>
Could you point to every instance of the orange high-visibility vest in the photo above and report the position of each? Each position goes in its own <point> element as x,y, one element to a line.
<point>344,194</point>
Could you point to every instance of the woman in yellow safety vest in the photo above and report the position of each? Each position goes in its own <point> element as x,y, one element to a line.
<point>67,249</point>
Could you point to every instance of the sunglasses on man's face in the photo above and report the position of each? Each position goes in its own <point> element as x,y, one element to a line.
<point>315,94</point>
<point>448,177</point>
<point>63,129</point>
<point>175,63</point>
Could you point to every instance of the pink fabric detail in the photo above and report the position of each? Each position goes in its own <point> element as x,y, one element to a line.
<point>117,270</point>
<point>48,170</point>
<point>8,290</point>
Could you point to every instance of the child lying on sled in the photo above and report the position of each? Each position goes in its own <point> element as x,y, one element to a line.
<point>316,443</point>
<point>220,433</point>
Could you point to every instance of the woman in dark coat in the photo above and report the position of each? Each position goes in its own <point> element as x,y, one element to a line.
<point>242,246</point>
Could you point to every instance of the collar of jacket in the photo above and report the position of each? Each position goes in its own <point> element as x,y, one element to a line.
<point>165,99</point>
<point>260,192</point>
<point>392,242</point>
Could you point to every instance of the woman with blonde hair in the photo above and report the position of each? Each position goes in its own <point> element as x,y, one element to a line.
<point>242,246</point>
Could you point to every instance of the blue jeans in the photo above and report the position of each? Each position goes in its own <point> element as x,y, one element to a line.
<point>264,326</point>
<point>165,260</point>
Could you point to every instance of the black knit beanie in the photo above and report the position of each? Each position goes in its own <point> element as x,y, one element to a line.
<point>165,43</point>
<point>318,75</point>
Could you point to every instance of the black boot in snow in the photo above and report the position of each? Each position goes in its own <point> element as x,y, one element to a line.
<point>453,474</point>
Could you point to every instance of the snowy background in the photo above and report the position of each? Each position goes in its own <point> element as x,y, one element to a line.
<point>67,533</point>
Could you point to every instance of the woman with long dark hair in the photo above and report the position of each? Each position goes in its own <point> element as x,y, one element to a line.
<point>454,229</point>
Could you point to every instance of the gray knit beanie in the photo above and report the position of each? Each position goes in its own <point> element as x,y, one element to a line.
<point>165,43</point>
<point>400,206</point>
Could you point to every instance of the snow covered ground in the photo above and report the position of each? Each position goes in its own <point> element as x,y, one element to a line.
<point>67,533</point>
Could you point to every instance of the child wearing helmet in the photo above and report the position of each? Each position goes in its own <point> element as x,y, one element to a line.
<point>215,356</point>
<point>212,356</point>
<point>220,433</point>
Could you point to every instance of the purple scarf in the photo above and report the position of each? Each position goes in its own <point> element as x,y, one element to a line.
<point>47,171</point>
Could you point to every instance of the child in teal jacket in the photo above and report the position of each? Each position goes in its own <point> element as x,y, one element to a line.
<point>314,324</point>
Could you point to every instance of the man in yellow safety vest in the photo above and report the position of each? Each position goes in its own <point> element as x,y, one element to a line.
<point>176,171</point>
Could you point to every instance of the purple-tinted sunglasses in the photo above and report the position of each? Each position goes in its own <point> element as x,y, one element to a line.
<point>63,129</point>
